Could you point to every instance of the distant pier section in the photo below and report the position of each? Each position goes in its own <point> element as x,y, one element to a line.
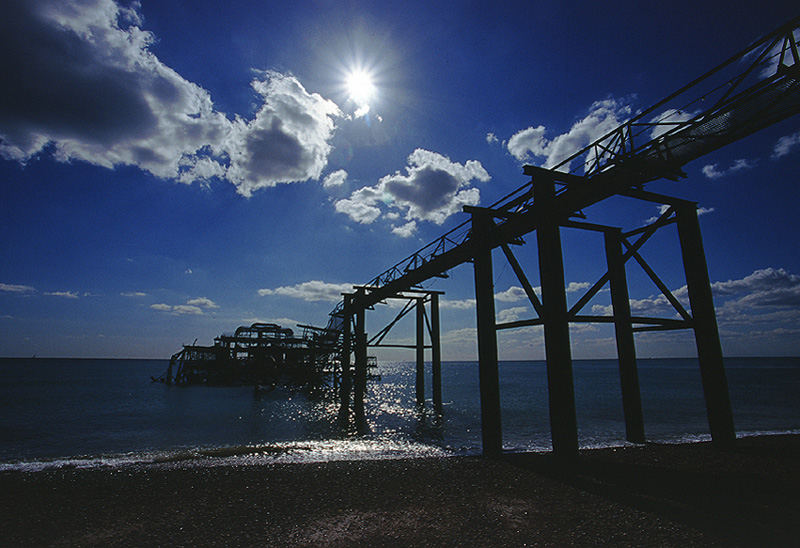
<point>261,355</point>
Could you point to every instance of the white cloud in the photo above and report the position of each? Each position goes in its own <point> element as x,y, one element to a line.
<point>407,230</point>
<point>511,295</point>
<point>574,287</point>
<point>202,302</point>
<point>186,309</point>
<point>515,293</point>
<point>80,76</point>
<point>64,294</point>
<point>288,141</point>
<point>527,143</point>
<point>450,304</point>
<point>335,179</point>
<point>511,314</point>
<point>192,306</point>
<point>14,288</point>
<point>712,171</point>
<point>786,144</point>
<point>491,138</point>
<point>133,294</point>
<point>664,207</point>
<point>314,290</point>
<point>432,189</point>
<point>360,207</point>
<point>769,287</point>
<point>603,117</point>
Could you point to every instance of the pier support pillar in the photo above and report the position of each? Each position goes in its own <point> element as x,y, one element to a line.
<point>489,378</point>
<point>626,348</point>
<point>360,367</point>
<point>563,419</point>
<point>420,352</point>
<point>344,389</point>
<point>709,349</point>
<point>436,354</point>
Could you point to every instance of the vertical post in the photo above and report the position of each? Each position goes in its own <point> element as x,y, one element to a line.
<point>436,354</point>
<point>420,352</point>
<point>491,426</point>
<point>626,348</point>
<point>561,386</point>
<point>361,364</point>
<point>344,389</point>
<point>709,349</point>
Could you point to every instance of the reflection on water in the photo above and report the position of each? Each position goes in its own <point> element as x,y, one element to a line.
<point>105,413</point>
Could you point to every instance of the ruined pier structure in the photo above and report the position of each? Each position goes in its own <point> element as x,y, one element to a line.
<point>754,89</point>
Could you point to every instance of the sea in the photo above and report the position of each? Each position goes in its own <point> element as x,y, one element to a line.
<point>94,413</point>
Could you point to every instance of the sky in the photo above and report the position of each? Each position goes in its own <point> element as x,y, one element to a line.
<point>172,170</point>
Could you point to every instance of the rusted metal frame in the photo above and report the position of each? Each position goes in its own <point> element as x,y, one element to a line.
<point>436,354</point>
<point>360,368</point>
<point>488,371</point>
<point>558,353</point>
<point>741,78</point>
<point>592,291</point>
<point>790,44</point>
<point>660,284</point>
<point>420,348</point>
<point>378,338</point>
<point>647,232</point>
<point>574,198</point>
<point>408,346</point>
<point>346,384</point>
<point>709,348</point>
<point>519,323</point>
<point>770,38</point>
<point>615,148</point>
<point>523,279</point>
<point>789,40</point>
<point>652,324</point>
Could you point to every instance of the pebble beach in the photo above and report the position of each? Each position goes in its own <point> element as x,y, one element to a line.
<point>649,495</point>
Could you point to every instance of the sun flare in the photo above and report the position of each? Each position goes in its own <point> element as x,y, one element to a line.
<point>360,86</point>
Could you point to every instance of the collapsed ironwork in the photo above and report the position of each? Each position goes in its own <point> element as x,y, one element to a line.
<point>262,355</point>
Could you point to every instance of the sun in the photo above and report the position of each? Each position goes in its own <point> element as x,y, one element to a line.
<point>360,86</point>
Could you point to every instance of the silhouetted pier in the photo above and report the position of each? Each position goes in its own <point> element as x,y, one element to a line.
<point>752,90</point>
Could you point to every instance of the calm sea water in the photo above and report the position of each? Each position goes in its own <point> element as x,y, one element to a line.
<point>70,412</point>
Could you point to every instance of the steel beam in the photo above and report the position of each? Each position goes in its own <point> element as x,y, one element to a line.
<point>563,420</point>
<point>626,348</point>
<point>709,349</point>
<point>344,389</point>
<point>420,352</point>
<point>436,354</point>
<point>360,367</point>
<point>489,377</point>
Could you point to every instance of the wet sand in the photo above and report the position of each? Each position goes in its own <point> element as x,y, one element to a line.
<point>653,495</point>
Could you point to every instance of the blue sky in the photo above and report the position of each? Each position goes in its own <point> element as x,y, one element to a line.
<point>172,170</point>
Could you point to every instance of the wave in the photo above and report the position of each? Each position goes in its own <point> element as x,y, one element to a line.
<point>316,452</point>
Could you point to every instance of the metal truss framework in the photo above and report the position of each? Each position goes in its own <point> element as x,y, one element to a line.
<point>353,320</point>
<point>752,90</point>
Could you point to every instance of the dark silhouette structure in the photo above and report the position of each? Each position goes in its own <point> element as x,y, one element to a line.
<point>752,90</point>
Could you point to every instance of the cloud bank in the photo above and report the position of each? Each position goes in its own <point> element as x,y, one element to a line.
<point>80,83</point>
